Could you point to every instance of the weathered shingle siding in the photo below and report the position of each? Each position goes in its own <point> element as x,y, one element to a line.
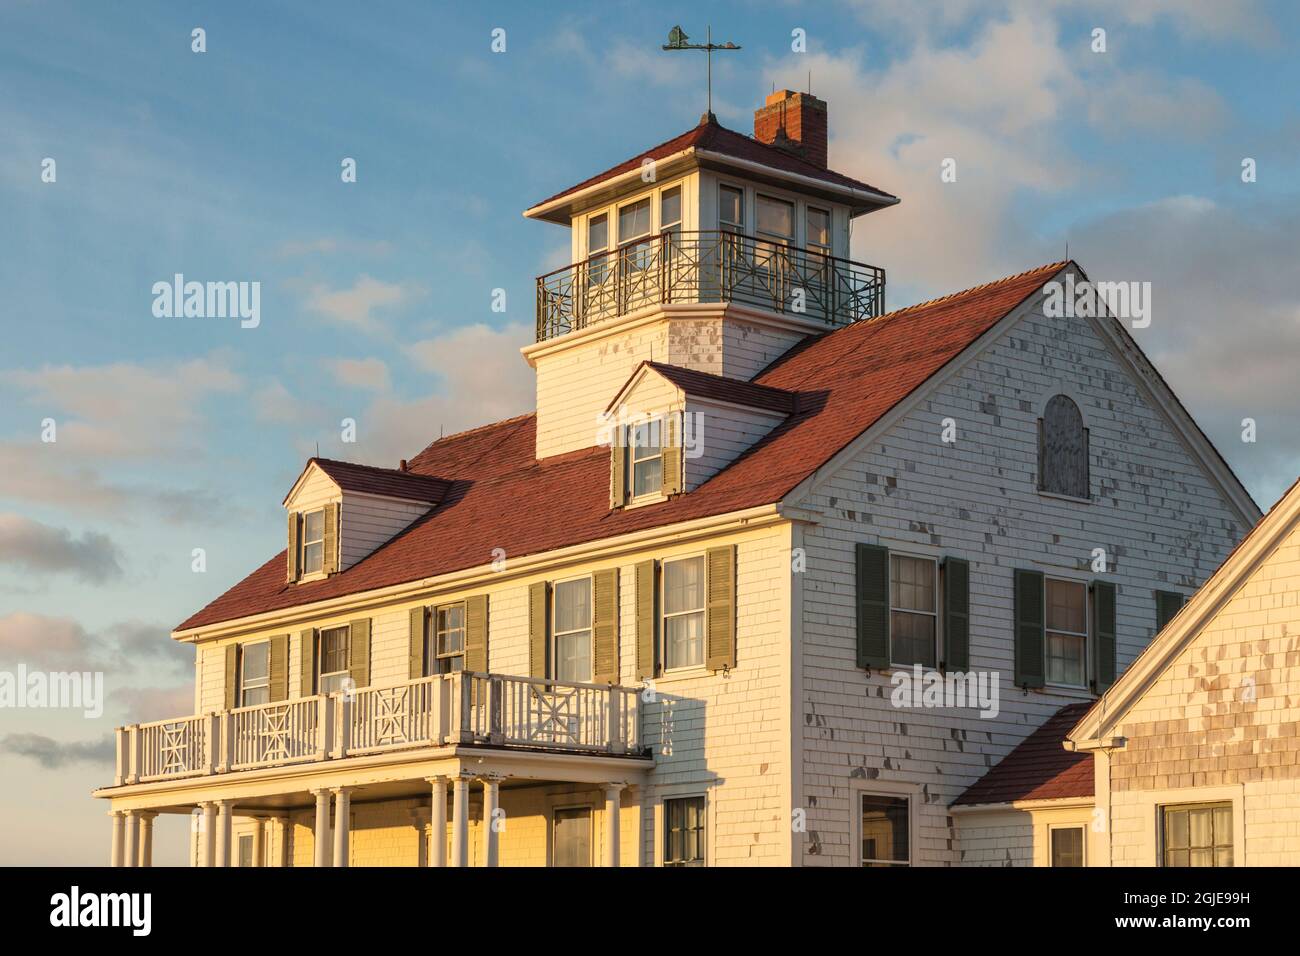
<point>1155,512</point>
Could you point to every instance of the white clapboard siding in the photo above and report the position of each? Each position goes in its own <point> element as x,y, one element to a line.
<point>722,434</point>
<point>370,521</point>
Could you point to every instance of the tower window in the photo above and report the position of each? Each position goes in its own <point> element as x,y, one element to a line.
<point>1063,449</point>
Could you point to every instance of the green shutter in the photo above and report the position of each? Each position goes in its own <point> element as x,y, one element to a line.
<point>1103,608</point>
<point>645,621</point>
<point>1030,633</point>
<point>293,546</point>
<point>956,614</point>
<point>476,634</point>
<point>232,676</point>
<point>308,640</point>
<point>604,626</point>
<point>617,472</point>
<point>415,645</point>
<point>330,544</point>
<point>720,640</point>
<point>1168,604</point>
<point>280,667</point>
<point>537,622</point>
<point>671,477</point>
<point>359,653</point>
<point>873,605</point>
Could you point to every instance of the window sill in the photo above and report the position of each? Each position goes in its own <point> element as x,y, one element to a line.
<point>308,578</point>
<point>1056,496</point>
<point>683,673</point>
<point>1068,690</point>
<point>643,501</point>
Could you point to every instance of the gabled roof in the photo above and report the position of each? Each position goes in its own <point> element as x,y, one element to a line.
<point>373,480</point>
<point>1039,768</point>
<point>501,496</point>
<point>711,138</point>
<point>1095,726</point>
<point>716,387</point>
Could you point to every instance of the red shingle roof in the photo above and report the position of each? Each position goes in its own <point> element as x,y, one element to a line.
<point>720,388</point>
<point>709,135</point>
<point>501,496</point>
<point>372,480</point>
<point>1039,768</point>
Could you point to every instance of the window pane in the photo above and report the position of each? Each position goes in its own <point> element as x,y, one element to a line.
<point>670,207</point>
<point>645,441</point>
<point>1067,606</point>
<point>334,650</point>
<point>647,477</point>
<point>257,661</point>
<point>912,583</point>
<point>912,638</point>
<point>1066,659</point>
<point>246,850</point>
<point>684,831</point>
<point>312,557</point>
<point>633,220</point>
<point>684,585</point>
<point>573,605</point>
<point>684,640</point>
<point>819,227</point>
<point>313,526</point>
<point>255,696</point>
<point>884,829</point>
<point>775,216</point>
<point>598,233</point>
<point>1067,847</point>
<point>573,657</point>
<point>731,204</point>
<point>1176,829</point>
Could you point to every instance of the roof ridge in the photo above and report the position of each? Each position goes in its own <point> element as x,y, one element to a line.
<point>361,464</point>
<point>478,428</point>
<point>982,287</point>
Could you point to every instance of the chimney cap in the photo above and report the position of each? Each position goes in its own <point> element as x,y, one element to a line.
<point>401,465</point>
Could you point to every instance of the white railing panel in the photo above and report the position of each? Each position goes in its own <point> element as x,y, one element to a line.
<point>266,735</point>
<point>405,715</point>
<point>172,748</point>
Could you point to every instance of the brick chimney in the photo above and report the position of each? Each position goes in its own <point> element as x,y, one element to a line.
<point>795,122</point>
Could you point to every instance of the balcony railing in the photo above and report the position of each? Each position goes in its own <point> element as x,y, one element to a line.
<point>466,708</point>
<point>708,267</point>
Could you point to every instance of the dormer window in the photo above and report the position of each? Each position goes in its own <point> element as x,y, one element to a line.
<point>647,458</point>
<point>313,541</point>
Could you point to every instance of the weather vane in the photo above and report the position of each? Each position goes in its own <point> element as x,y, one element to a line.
<point>677,41</point>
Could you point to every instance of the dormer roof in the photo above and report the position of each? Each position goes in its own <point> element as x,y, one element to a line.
<point>373,480</point>
<point>716,387</point>
<point>713,145</point>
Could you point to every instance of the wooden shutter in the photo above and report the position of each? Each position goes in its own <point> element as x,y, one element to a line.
<point>308,641</point>
<point>617,472</point>
<point>1168,604</point>
<point>279,667</point>
<point>671,477</point>
<point>232,676</point>
<point>956,614</point>
<point>646,622</point>
<point>538,619</point>
<point>873,605</point>
<point>476,634</point>
<point>415,645</point>
<point>1103,609</point>
<point>1030,632</point>
<point>604,626</point>
<point>330,560</point>
<point>359,652</point>
<point>293,546</point>
<point>720,642</point>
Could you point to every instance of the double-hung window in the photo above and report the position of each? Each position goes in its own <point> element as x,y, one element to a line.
<point>313,541</point>
<point>1067,632</point>
<point>572,630</point>
<point>731,209</point>
<point>597,247</point>
<point>818,237</point>
<point>913,609</point>
<point>1198,835</point>
<point>883,830</point>
<point>684,830</point>
<point>255,674</point>
<point>683,604</point>
<point>670,210</point>
<point>634,225</point>
<point>645,458</point>
<point>1066,846</point>
<point>447,642</point>
<point>334,657</point>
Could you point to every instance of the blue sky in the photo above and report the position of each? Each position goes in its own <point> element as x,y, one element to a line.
<point>177,434</point>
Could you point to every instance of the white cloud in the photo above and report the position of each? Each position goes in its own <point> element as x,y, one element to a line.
<point>356,306</point>
<point>369,374</point>
<point>40,548</point>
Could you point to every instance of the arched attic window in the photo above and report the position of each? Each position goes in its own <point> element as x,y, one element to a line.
<point>1063,449</point>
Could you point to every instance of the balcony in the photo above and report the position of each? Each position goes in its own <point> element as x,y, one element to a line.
<point>489,710</point>
<point>718,267</point>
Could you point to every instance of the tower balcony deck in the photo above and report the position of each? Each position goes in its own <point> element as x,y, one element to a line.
<point>708,267</point>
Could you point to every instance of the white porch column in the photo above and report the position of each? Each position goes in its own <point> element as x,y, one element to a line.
<point>208,837</point>
<point>280,841</point>
<point>321,837</point>
<point>259,842</point>
<point>491,800</point>
<point>119,833</point>
<point>612,792</point>
<point>342,824</point>
<point>132,838</point>
<point>460,822</point>
<point>438,823</point>
<point>146,838</point>
<point>225,830</point>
